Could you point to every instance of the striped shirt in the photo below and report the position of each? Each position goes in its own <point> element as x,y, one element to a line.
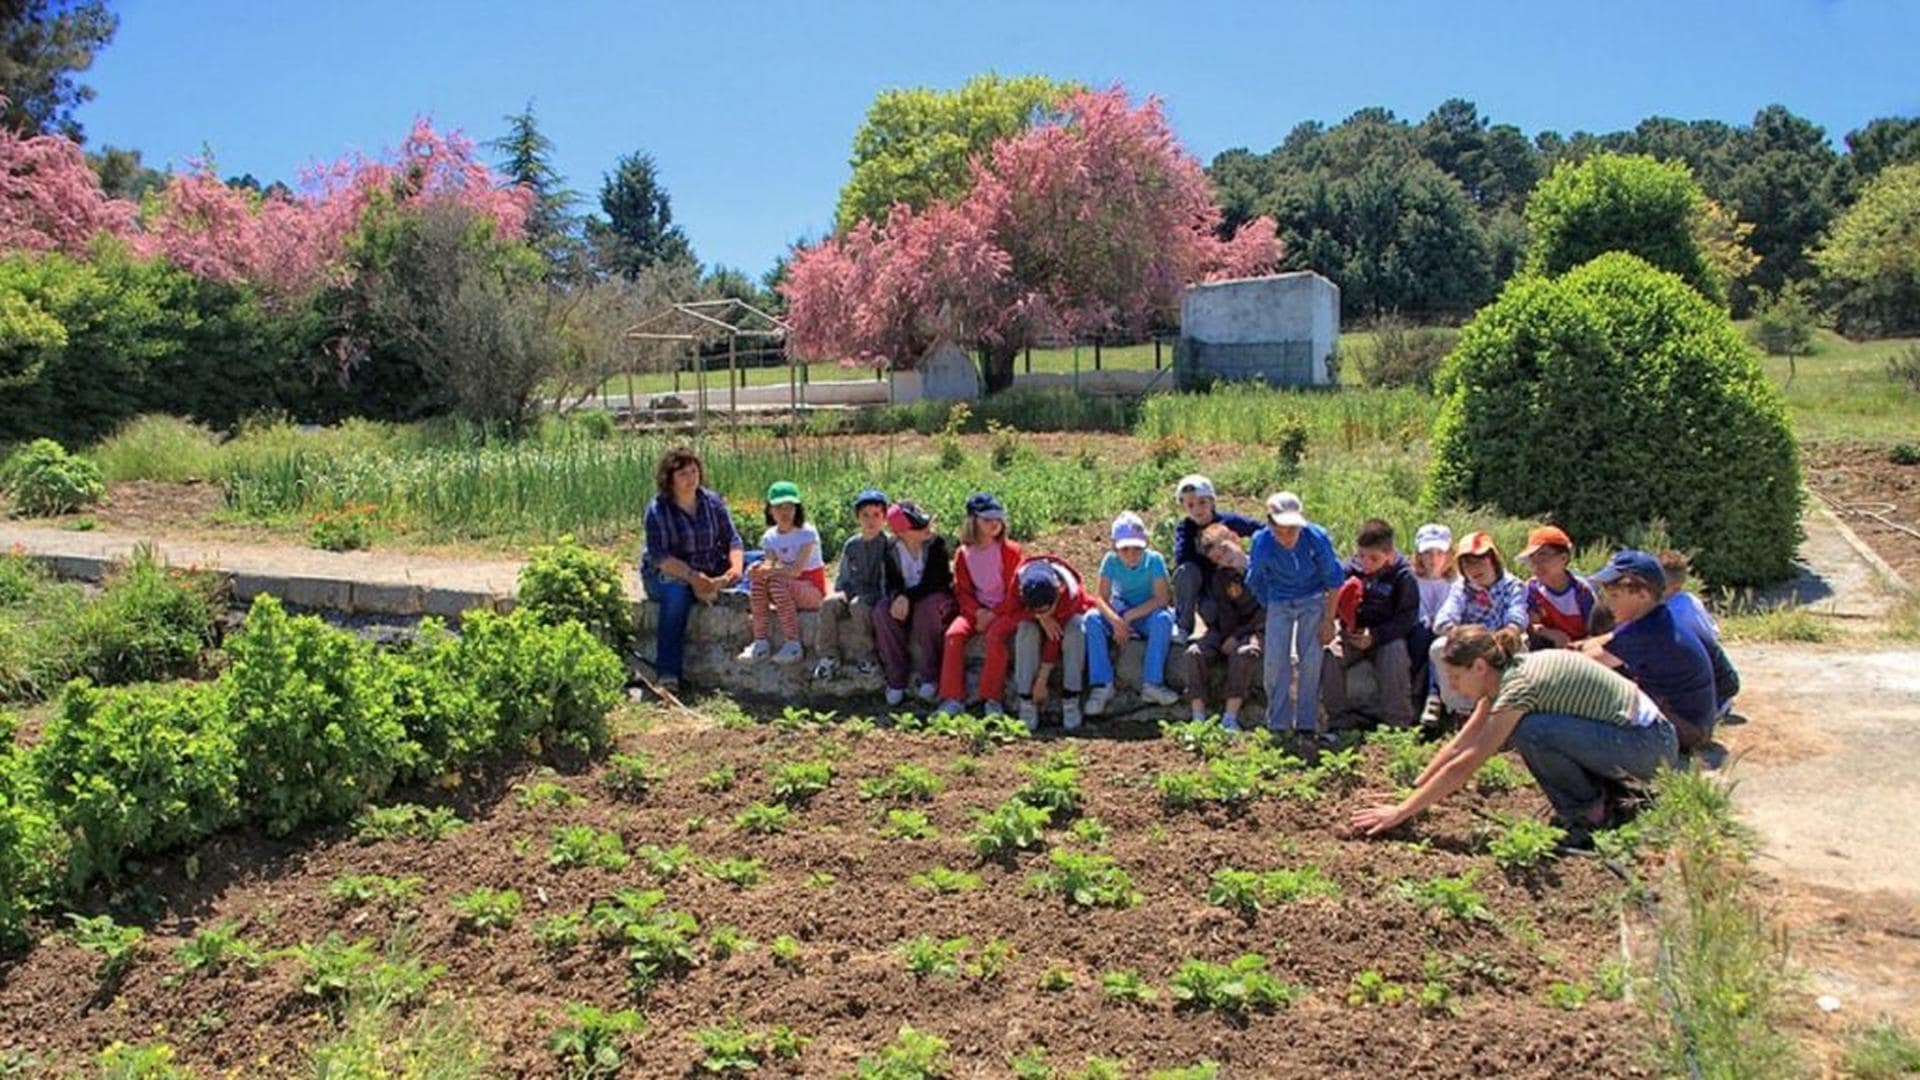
<point>1572,684</point>
<point>1467,604</point>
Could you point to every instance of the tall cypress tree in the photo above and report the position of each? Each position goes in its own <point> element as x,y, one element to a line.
<point>527,159</point>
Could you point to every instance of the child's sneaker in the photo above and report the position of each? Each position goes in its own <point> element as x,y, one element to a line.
<point>994,708</point>
<point>1434,716</point>
<point>1030,715</point>
<point>1230,722</point>
<point>826,668</point>
<point>1158,694</point>
<point>1097,699</point>
<point>1070,714</point>
<point>1180,637</point>
<point>756,651</point>
<point>927,692</point>
<point>790,653</point>
<point>950,707</point>
<point>895,696</point>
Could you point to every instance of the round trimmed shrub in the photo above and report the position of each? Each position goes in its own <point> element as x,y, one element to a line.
<point>565,582</point>
<point>1621,202</point>
<point>1614,397</point>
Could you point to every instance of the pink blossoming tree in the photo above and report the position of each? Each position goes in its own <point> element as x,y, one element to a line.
<point>1091,224</point>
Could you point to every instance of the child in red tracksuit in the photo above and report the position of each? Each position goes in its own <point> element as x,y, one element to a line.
<point>1054,605</point>
<point>984,589</point>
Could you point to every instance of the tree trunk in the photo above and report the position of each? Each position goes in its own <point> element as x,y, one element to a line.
<point>996,363</point>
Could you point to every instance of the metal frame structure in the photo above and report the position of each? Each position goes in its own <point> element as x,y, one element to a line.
<point>704,321</point>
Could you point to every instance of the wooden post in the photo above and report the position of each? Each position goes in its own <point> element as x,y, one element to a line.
<point>1029,359</point>
<point>629,392</point>
<point>1096,354</point>
<point>1156,353</point>
<point>733,371</point>
<point>700,387</point>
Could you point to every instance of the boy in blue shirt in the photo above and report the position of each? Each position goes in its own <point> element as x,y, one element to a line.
<point>1293,571</point>
<point>1133,583</point>
<point>1654,649</point>
<point>1387,612</point>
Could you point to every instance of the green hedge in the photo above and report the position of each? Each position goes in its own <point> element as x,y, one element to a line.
<point>308,724</point>
<point>1614,397</point>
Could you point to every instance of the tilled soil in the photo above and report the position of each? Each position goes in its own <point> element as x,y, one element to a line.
<point>852,991</point>
<point>1872,495</point>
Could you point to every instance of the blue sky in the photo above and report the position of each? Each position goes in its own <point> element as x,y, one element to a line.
<point>749,109</point>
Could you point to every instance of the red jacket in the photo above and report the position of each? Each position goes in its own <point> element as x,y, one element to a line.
<point>963,591</point>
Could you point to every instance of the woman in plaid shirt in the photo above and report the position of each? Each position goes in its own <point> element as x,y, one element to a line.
<point>693,553</point>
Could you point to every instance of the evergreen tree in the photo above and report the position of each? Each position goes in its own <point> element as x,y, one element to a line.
<point>43,43</point>
<point>527,160</point>
<point>638,231</point>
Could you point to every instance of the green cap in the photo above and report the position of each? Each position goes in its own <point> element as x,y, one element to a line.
<point>786,491</point>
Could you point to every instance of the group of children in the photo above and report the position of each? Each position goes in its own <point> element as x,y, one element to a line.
<point>1286,610</point>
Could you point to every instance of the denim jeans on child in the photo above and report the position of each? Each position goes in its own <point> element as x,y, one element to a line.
<point>1293,630</point>
<point>1156,628</point>
<point>1571,756</point>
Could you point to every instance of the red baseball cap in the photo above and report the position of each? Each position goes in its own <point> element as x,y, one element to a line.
<point>1477,543</point>
<point>1546,536</point>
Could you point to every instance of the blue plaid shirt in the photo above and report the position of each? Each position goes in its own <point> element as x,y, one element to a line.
<point>1467,604</point>
<point>702,539</point>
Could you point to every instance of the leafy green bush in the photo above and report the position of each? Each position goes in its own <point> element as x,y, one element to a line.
<point>1783,324</point>
<point>348,528</point>
<point>152,622</point>
<point>316,719</point>
<point>46,481</point>
<point>1619,355</point>
<point>553,683</point>
<point>1621,203</point>
<point>32,847</point>
<point>564,581</point>
<point>139,771</point>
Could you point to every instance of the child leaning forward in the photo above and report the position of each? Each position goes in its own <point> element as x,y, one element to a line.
<point>1055,607</point>
<point>846,616</point>
<point>1134,587</point>
<point>1233,631</point>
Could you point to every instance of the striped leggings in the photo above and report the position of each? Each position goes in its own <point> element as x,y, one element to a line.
<point>774,596</point>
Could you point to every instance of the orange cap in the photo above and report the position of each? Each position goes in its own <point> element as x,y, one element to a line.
<point>1477,543</point>
<point>1546,536</point>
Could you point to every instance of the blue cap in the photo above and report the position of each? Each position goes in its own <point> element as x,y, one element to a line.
<point>870,497</point>
<point>1039,586</point>
<point>983,505</point>
<point>1638,563</point>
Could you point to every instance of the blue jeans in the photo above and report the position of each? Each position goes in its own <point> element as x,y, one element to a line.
<point>1157,628</point>
<point>1572,757</point>
<point>1293,629</point>
<point>670,633</point>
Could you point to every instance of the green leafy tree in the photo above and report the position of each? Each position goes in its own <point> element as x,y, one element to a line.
<point>1779,183</point>
<point>1871,261</point>
<point>123,175</point>
<point>526,158</point>
<point>638,231</point>
<point>1613,397</point>
<point>915,145</point>
<point>1886,141</point>
<point>1618,202</point>
<point>44,44</point>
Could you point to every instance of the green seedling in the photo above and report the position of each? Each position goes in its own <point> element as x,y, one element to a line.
<point>909,825</point>
<point>946,881</point>
<point>1085,880</point>
<point>1012,826</point>
<point>583,845</point>
<point>764,819</point>
<point>485,909</point>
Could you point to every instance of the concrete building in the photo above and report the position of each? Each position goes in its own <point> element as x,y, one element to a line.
<point>1281,330</point>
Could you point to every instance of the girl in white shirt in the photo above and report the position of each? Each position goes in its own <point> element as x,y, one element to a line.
<point>790,578</point>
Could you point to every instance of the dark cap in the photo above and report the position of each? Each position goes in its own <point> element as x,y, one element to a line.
<point>1637,563</point>
<point>870,497</point>
<point>984,505</point>
<point>1039,586</point>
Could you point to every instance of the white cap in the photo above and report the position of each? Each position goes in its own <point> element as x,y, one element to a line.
<point>1284,509</point>
<point>1129,530</point>
<point>1193,484</point>
<point>1432,536</point>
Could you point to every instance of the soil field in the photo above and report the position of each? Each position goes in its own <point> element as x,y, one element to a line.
<point>843,891</point>
<point>1874,497</point>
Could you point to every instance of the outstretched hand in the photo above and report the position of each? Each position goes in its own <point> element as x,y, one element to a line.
<point>1375,820</point>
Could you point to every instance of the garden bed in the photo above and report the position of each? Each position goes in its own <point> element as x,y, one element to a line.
<point>844,893</point>
<point>1870,493</point>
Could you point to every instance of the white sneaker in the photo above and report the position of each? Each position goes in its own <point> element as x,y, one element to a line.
<point>1070,714</point>
<point>895,697</point>
<point>790,653</point>
<point>1030,715</point>
<point>756,651</point>
<point>993,709</point>
<point>1159,695</point>
<point>927,692</point>
<point>1097,699</point>
<point>1180,637</point>
<point>1228,723</point>
<point>950,707</point>
<point>825,668</point>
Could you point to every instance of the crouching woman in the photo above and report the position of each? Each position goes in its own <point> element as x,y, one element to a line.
<point>1579,727</point>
